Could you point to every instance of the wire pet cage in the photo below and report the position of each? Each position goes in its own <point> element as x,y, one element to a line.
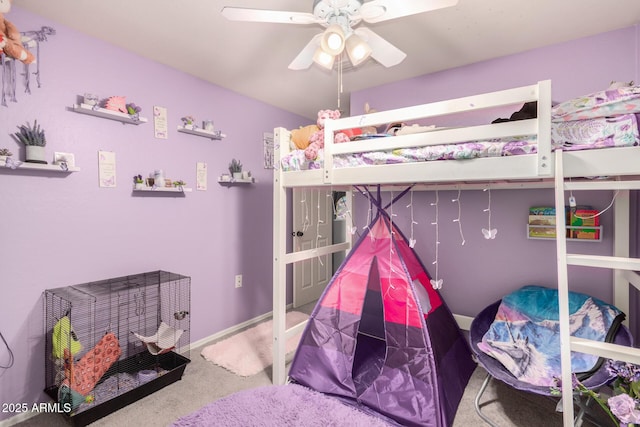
<point>112,342</point>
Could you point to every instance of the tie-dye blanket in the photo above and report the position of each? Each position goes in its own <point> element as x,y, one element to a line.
<point>525,334</point>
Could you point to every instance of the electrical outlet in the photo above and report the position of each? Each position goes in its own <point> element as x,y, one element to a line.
<point>238,280</point>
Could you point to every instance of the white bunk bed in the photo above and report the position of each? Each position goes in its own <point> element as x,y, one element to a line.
<point>545,167</point>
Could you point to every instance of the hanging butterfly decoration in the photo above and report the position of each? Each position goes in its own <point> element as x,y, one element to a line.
<point>436,284</point>
<point>459,218</point>
<point>412,241</point>
<point>489,233</point>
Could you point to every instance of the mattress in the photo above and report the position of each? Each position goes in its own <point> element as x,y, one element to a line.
<point>584,134</point>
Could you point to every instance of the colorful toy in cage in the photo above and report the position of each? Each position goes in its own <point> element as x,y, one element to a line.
<point>82,377</point>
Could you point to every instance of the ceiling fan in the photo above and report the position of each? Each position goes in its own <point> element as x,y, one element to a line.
<point>340,18</point>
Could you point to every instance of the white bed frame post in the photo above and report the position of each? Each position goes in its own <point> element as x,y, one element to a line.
<point>280,144</point>
<point>563,293</point>
<point>545,165</point>
<point>621,242</point>
<point>622,266</point>
<point>281,258</point>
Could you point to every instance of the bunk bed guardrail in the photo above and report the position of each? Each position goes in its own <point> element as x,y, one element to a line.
<point>538,165</point>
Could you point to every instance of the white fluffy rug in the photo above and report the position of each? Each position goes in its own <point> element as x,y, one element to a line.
<point>249,352</point>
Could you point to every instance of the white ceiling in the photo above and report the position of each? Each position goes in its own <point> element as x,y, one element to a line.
<point>252,58</point>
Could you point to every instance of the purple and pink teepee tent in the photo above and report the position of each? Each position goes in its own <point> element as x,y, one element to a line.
<point>381,336</point>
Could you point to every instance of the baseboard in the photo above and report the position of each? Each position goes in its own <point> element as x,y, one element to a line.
<point>232,330</point>
<point>464,322</point>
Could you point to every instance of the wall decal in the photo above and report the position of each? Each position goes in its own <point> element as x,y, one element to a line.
<point>201,176</point>
<point>107,169</point>
<point>267,141</point>
<point>160,126</point>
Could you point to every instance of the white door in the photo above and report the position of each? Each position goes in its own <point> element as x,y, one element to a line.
<point>312,228</point>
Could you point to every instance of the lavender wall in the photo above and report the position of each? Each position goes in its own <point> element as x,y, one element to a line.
<point>482,271</point>
<point>58,230</point>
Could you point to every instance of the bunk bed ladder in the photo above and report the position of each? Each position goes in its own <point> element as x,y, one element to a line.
<point>622,266</point>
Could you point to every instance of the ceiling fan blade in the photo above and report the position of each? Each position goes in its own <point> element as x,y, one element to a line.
<point>305,58</point>
<point>381,50</point>
<point>385,10</point>
<point>272,16</point>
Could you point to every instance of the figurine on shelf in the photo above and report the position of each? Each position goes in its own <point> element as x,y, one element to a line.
<point>134,111</point>
<point>189,122</point>
<point>91,99</point>
<point>235,167</point>
<point>4,155</point>
<point>116,103</point>
<point>138,182</point>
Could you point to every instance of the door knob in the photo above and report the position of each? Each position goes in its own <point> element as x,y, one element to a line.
<point>297,233</point>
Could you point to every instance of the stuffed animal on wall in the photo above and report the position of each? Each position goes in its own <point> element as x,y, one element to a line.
<point>13,47</point>
<point>316,141</point>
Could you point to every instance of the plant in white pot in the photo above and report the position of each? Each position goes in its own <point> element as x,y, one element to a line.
<point>34,141</point>
<point>235,167</point>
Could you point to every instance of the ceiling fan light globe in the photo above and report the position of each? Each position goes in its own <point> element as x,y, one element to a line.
<point>333,40</point>
<point>357,49</point>
<point>323,59</point>
<point>359,53</point>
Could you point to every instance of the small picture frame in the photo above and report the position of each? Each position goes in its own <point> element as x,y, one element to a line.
<point>68,158</point>
<point>268,148</point>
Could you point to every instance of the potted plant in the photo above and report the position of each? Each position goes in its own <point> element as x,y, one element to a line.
<point>188,122</point>
<point>235,167</point>
<point>138,182</point>
<point>34,141</point>
<point>4,153</point>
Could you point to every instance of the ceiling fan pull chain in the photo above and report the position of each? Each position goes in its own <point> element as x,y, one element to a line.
<point>339,82</point>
